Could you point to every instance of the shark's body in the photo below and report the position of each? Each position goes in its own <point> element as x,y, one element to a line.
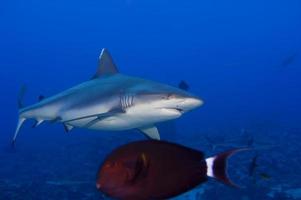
<point>112,101</point>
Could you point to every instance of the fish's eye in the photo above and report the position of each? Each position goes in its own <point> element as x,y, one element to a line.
<point>168,96</point>
<point>110,165</point>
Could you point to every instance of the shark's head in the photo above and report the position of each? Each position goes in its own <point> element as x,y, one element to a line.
<point>164,103</point>
<point>172,101</point>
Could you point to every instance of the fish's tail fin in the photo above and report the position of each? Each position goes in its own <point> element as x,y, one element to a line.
<point>217,166</point>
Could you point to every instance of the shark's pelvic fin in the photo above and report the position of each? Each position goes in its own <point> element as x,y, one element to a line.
<point>151,132</point>
<point>106,65</point>
<point>37,123</point>
<point>68,128</point>
<point>20,122</point>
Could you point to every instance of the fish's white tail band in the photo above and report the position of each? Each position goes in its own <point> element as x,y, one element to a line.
<point>209,162</point>
<point>20,123</point>
<point>217,166</point>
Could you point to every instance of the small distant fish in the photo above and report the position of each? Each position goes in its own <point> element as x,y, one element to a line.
<point>265,176</point>
<point>158,170</point>
<point>183,85</point>
<point>253,165</point>
<point>289,60</point>
<point>213,145</point>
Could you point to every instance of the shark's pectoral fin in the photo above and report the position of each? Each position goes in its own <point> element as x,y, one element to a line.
<point>68,128</point>
<point>104,116</point>
<point>106,65</point>
<point>151,132</point>
<point>97,117</point>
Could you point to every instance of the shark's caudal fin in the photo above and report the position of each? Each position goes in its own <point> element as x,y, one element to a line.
<point>217,166</point>
<point>106,65</point>
<point>20,123</point>
<point>21,96</point>
<point>20,106</point>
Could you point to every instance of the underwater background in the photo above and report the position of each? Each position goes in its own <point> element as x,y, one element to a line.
<point>242,57</point>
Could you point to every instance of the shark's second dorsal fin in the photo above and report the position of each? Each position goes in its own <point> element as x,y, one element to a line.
<point>106,65</point>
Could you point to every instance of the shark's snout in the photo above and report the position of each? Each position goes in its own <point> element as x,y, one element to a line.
<point>191,103</point>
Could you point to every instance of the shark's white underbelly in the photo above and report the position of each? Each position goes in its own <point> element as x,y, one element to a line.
<point>129,120</point>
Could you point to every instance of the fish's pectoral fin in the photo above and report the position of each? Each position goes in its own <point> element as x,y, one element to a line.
<point>151,132</point>
<point>106,65</point>
<point>141,167</point>
<point>68,127</point>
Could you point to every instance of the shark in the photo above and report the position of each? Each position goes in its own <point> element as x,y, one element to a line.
<point>111,101</point>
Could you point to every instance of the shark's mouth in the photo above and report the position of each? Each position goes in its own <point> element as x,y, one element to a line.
<point>179,110</point>
<point>176,111</point>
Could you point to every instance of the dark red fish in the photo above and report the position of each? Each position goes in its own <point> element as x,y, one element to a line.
<point>158,170</point>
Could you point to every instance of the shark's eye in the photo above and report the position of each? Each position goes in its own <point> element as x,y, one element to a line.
<point>170,96</point>
<point>165,97</point>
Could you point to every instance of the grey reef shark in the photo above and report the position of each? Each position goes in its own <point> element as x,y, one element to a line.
<point>111,101</point>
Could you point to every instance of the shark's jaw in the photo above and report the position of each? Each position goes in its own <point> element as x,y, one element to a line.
<point>134,117</point>
<point>140,116</point>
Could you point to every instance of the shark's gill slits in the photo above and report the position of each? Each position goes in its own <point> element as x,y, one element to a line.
<point>126,101</point>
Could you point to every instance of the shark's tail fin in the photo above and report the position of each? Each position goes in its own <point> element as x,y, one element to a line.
<point>20,106</point>
<point>20,122</point>
<point>217,166</point>
<point>21,96</point>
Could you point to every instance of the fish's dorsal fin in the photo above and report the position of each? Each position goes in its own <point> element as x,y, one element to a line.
<point>151,132</point>
<point>106,65</point>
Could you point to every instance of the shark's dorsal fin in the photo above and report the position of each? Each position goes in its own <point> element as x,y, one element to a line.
<point>106,65</point>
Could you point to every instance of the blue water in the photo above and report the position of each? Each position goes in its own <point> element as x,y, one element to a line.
<point>242,57</point>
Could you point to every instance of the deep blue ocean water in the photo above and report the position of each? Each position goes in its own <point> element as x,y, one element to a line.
<point>242,57</point>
